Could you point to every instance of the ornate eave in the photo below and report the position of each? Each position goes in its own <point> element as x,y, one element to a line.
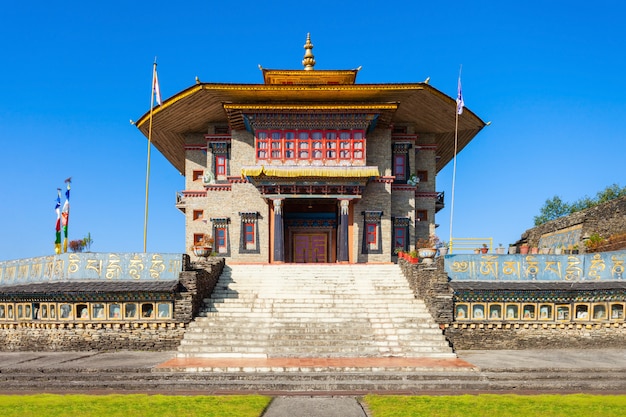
<point>424,107</point>
<point>306,116</point>
<point>310,182</point>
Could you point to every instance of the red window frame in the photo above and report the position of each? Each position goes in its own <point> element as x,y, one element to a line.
<point>249,233</point>
<point>399,237</point>
<point>370,231</point>
<point>220,238</point>
<point>310,145</point>
<point>399,167</point>
<point>220,164</point>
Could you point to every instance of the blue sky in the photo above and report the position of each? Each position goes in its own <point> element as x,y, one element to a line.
<point>549,75</point>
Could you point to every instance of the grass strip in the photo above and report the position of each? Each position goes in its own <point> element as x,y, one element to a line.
<point>500,405</point>
<point>139,405</point>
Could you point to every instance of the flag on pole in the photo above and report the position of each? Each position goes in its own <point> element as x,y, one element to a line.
<point>156,90</point>
<point>65,213</point>
<point>57,208</point>
<point>459,99</point>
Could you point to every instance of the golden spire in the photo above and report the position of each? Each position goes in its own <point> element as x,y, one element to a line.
<point>309,59</point>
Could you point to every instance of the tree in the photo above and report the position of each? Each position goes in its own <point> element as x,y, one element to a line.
<point>552,209</point>
<point>555,207</point>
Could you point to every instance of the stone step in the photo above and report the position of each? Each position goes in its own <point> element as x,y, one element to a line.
<point>300,380</point>
<point>304,311</point>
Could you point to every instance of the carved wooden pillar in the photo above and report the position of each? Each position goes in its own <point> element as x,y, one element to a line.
<point>342,232</point>
<point>279,238</point>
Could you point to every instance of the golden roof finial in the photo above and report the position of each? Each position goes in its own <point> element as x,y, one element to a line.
<point>309,59</point>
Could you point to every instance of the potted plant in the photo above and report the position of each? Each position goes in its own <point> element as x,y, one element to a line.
<point>484,248</point>
<point>413,257</point>
<point>443,248</point>
<point>524,249</point>
<point>500,249</point>
<point>558,250</point>
<point>427,248</point>
<point>575,250</point>
<point>512,249</point>
<point>203,246</point>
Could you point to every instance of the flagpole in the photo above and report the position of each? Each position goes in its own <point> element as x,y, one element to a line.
<point>145,220</point>
<point>459,110</point>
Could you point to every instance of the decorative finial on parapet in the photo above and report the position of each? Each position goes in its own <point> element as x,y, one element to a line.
<point>309,59</point>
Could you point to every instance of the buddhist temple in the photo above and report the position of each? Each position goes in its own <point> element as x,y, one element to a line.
<point>309,166</point>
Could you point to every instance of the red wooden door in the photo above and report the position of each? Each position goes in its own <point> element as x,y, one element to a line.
<point>310,247</point>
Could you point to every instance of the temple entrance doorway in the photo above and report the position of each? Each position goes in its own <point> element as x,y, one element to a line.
<point>310,230</point>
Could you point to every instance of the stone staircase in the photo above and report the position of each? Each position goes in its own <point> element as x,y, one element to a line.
<point>313,311</point>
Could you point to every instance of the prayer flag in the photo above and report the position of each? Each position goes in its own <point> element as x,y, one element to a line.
<point>57,208</point>
<point>65,214</point>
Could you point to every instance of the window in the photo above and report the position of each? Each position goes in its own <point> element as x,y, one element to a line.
<point>314,145</point>
<point>249,234</point>
<point>422,176</point>
<point>2,311</point>
<point>371,233</point>
<point>220,165</point>
<point>220,240</point>
<point>399,167</point>
<point>65,311</point>
<point>198,238</point>
<point>198,214</point>
<point>400,238</point>
<point>421,215</point>
<point>197,175</point>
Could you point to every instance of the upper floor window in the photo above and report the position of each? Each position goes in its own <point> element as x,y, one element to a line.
<point>310,145</point>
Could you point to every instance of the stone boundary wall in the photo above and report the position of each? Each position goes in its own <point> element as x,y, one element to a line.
<point>606,219</point>
<point>195,285</point>
<point>430,283</point>
<point>473,336</point>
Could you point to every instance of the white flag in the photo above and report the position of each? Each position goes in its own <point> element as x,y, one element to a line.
<point>156,90</point>
<point>459,100</point>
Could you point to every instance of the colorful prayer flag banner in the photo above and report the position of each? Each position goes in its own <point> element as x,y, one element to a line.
<point>57,208</point>
<point>65,214</point>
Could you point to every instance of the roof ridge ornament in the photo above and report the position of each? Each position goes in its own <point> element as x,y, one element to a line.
<point>309,59</point>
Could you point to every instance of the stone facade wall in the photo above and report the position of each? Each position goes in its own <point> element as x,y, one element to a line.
<point>425,160</point>
<point>606,219</point>
<point>161,335</point>
<point>376,197</point>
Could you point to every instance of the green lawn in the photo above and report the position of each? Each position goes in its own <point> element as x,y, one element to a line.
<point>136,405</point>
<point>497,405</point>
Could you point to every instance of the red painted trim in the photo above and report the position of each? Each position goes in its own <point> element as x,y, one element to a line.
<point>195,148</point>
<point>403,187</point>
<point>385,179</point>
<point>236,180</point>
<point>194,193</point>
<point>404,137</point>
<point>218,187</point>
<point>426,194</point>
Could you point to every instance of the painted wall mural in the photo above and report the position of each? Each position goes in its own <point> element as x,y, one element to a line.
<point>92,266</point>
<point>605,266</point>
